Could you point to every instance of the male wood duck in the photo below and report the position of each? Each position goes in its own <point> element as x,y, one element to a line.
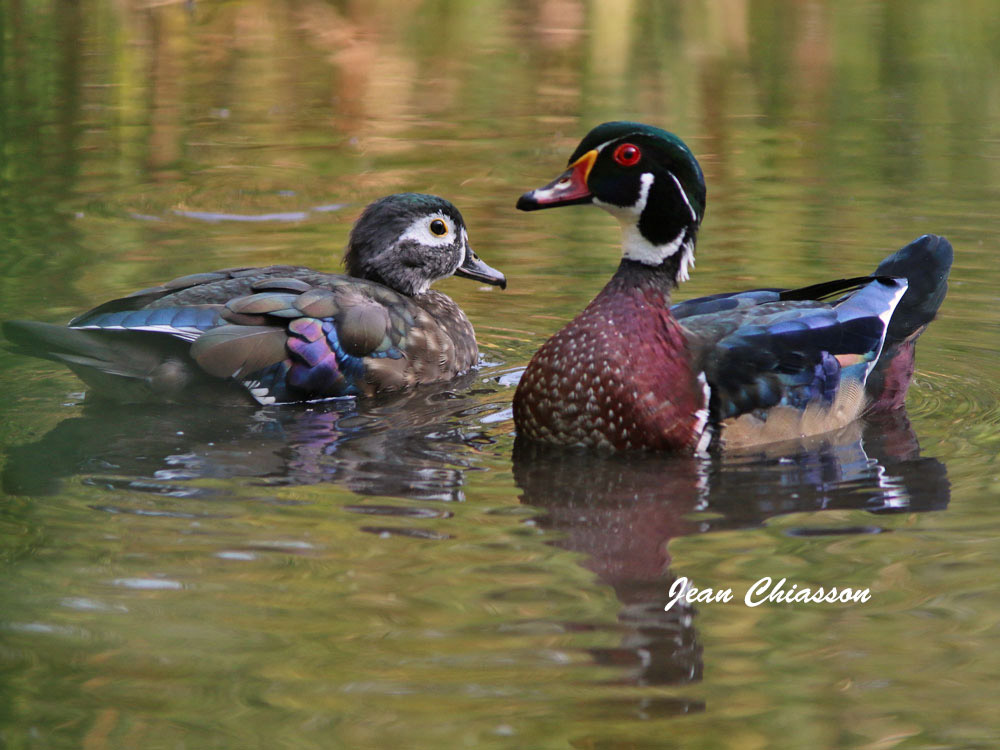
<point>287,333</point>
<point>725,371</point>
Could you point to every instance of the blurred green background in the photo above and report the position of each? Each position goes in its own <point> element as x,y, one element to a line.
<point>213,600</point>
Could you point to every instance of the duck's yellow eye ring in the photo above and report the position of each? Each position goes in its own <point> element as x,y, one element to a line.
<point>438,228</point>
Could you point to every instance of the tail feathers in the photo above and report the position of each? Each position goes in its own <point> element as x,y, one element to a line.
<point>925,264</point>
<point>122,365</point>
<point>75,347</point>
<point>869,309</point>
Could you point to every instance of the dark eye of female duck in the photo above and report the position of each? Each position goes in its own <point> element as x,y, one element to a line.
<point>438,228</point>
<point>627,154</point>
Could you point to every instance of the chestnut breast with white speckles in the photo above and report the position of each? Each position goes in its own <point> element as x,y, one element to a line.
<point>617,377</point>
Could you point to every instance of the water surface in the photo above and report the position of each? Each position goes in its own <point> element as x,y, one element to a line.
<point>393,573</point>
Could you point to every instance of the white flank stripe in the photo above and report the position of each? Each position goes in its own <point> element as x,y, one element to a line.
<point>701,426</point>
<point>184,333</point>
<point>885,316</point>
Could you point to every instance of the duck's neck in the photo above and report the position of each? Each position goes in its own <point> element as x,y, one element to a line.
<point>659,232</point>
<point>440,306</point>
<point>658,280</point>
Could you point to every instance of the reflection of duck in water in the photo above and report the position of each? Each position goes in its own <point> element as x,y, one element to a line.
<point>729,370</point>
<point>621,512</point>
<point>412,445</point>
<point>287,333</point>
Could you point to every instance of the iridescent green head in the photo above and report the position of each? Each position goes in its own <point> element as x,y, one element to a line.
<point>644,176</point>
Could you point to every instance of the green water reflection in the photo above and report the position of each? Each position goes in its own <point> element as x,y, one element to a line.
<point>388,576</point>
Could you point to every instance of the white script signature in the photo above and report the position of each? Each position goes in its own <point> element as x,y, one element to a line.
<point>767,590</point>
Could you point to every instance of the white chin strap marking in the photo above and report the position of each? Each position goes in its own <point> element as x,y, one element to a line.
<point>630,213</point>
<point>634,245</point>
<point>638,248</point>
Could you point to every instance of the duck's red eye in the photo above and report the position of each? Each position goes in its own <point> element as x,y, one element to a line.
<point>627,154</point>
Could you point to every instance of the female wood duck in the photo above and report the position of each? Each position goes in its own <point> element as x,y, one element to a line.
<point>730,370</point>
<point>287,333</point>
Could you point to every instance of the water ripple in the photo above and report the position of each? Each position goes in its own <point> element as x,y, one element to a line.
<point>399,511</point>
<point>388,531</point>
<point>959,396</point>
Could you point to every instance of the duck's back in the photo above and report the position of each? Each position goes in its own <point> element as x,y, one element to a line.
<point>285,333</point>
<point>220,287</point>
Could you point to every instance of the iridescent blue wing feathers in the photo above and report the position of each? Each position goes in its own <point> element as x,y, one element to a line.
<point>790,353</point>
